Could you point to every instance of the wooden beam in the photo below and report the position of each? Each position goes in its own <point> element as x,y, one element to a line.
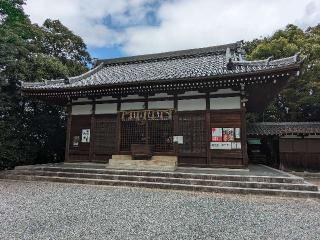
<point>160,99</point>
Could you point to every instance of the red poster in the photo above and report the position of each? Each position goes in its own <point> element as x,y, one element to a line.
<point>216,134</point>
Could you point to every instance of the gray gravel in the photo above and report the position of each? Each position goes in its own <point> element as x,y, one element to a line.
<point>33,210</point>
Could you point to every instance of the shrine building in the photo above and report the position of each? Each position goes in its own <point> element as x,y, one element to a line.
<point>185,106</point>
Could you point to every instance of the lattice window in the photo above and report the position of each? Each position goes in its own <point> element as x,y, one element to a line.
<point>105,135</point>
<point>192,128</point>
<point>132,132</point>
<point>154,127</point>
<point>161,135</point>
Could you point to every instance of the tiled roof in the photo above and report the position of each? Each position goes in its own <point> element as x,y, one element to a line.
<point>283,128</point>
<point>193,63</point>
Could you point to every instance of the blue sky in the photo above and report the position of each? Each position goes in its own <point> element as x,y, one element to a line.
<point>115,28</point>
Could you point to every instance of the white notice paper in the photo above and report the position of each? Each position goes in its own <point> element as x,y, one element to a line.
<point>85,136</point>
<point>220,145</point>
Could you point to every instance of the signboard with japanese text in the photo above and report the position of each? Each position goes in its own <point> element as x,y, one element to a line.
<point>236,145</point>
<point>225,138</point>
<point>220,145</point>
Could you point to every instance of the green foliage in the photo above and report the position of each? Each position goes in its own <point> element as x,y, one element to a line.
<point>300,100</point>
<point>31,131</point>
<point>12,11</point>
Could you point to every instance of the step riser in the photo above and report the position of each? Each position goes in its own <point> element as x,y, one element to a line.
<point>172,180</point>
<point>167,186</point>
<point>175,175</point>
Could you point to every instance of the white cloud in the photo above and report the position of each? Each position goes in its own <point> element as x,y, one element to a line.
<point>200,23</point>
<point>183,23</point>
<point>87,17</point>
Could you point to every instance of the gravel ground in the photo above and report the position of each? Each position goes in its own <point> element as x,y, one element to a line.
<point>33,210</point>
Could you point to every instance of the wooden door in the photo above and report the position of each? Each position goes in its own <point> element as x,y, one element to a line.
<point>104,137</point>
<point>192,126</point>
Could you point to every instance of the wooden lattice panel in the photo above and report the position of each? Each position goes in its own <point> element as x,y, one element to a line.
<point>105,135</point>
<point>160,135</point>
<point>192,128</point>
<point>153,127</point>
<point>132,132</point>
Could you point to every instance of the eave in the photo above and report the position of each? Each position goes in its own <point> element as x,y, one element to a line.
<point>205,84</point>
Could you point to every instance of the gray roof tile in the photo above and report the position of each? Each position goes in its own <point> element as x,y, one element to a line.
<point>283,128</point>
<point>194,63</point>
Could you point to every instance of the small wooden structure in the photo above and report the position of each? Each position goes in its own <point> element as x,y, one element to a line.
<point>141,151</point>
<point>289,145</point>
<point>190,104</point>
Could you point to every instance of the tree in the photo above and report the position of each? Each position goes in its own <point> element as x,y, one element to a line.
<point>32,131</point>
<point>300,100</point>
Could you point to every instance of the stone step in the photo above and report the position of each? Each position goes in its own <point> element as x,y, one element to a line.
<point>188,181</point>
<point>157,157</point>
<point>267,179</point>
<point>174,186</point>
<point>141,165</point>
<point>156,163</point>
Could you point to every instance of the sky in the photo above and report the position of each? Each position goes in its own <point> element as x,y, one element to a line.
<point>116,28</point>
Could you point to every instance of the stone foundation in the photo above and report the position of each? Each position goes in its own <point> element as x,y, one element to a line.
<point>157,163</point>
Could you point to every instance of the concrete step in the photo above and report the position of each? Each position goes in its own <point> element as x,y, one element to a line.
<point>267,179</point>
<point>188,181</point>
<point>174,186</point>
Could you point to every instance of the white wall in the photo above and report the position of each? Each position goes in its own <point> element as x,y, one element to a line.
<point>133,97</point>
<point>192,104</point>
<point>81,109</point>
<point>225,91</point>
<point>191,93</point>
<point>290,136</point>
<point>132,105</point>
<point>225,103</point>
<point>312,136</point>
<point>106,108</point>
<point>106,98</point>
<point>157,95</point>
<point>160,104</point>
<point>81,100</point>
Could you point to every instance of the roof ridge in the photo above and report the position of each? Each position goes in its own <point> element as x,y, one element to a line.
<point>173,54</point>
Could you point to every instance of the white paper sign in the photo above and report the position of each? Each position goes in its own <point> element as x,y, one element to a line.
<point>85,136</point>
<point>178,139</point>
<point>237,133</point>
<point>236,145</point>
<point>220,145</point>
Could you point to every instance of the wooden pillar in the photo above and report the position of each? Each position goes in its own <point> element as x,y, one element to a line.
<point>146,106</point>
<point>175,102</point>
<point>92,131</point>
<point>68,130</point>
<point>118,134</point>
<point>245,159</point>
<point>208,127</point>
<point>175,123</point>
